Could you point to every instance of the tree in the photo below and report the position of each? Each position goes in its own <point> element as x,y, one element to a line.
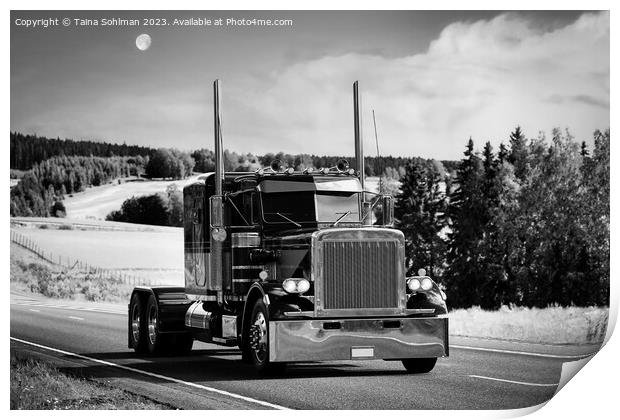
<point>466,213</point>
<point>148,210</point>
<point>518,153</point>
<point>420,214</point>
<point>169,163</point>
<point>174,199</point>
<point>204,159</point>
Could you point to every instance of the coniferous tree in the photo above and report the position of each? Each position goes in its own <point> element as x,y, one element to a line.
<point>466,208</point>
<point>420,214</point>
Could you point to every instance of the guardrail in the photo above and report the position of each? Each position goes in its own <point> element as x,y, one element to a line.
<point>69,264</point>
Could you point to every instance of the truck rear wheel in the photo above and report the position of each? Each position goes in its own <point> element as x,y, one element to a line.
<point>258,341</point>
<point>137,333</point>
<point>419,365</point>
<point>154,339</point>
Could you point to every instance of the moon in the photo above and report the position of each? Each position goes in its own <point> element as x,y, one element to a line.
<point>143,42</point>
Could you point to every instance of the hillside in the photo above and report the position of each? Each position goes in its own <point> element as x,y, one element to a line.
<point>97,202</point>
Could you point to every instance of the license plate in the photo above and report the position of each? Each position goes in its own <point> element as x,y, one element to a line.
<point>362,352</point>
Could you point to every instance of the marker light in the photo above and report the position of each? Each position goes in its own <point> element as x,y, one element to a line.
<point>260,171</point>
<point>427,284</point>
<point>289,171</point>
<point>308,171</point>
<point>351,171</point>
<point>263,275</point>
<point>325,171</point>
<point>218,234</point>
<point>294,285</point>
<point>421,272</point>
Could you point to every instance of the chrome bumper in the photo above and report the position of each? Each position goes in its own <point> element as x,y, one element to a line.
<point>391,338</point>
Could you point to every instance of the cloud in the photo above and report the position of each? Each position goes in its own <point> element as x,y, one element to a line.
<point>477,79</point>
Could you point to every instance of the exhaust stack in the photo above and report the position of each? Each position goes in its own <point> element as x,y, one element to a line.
<point>217,277</point>
<point>217,125</point>
<point>359,153</point>
<point>357,129</point>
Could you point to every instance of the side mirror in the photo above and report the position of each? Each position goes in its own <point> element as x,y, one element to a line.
<point>216,212</point>
<point>387,204</point>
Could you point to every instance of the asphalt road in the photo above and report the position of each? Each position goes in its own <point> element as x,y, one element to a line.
<point>479,374</point>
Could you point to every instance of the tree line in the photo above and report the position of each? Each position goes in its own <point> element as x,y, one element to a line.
<point>526,225</point>
<point>28,149</point>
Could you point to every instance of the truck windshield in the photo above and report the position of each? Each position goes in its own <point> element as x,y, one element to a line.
<point>310,207</point>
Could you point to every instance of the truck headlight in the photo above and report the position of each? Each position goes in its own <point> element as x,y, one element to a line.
<point>294,285</point>
<point>419,283</point>
<point>426,284</point>
<point>414,284</point>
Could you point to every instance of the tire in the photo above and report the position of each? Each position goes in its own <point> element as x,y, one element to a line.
<point>137,327</point>
<point>258,341</point>
<point>154,340</point>
<point>419,365</point>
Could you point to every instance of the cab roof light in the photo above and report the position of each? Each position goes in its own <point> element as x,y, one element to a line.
<point>342,165</point>
<point>276,165</point>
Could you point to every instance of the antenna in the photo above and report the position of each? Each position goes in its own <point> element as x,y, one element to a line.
<point>374,121</point>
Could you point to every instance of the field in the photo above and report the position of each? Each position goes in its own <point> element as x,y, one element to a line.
<point>97,202</point>
<point>147,252</point>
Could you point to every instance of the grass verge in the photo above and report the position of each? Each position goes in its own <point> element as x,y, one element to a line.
<point>38,385</point>
<point>32,274</point>
<point>552,325</point>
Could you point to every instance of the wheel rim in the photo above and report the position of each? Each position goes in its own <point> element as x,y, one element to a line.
<point>135,323</point>
<point>152,325</point>
<point>258,337</point>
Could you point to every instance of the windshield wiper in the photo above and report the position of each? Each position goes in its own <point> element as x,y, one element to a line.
<point>287,219</point>
<point>345,214</point>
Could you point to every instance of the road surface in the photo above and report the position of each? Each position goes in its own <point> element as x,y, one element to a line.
<point>479,374</point>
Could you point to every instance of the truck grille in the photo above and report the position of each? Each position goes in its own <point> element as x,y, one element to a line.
<point>360,274</point>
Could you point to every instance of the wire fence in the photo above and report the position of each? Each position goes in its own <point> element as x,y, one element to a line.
<point>72,264</point>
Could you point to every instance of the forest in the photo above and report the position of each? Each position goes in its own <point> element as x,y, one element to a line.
<point>527,225</point>
<point>28,150</point>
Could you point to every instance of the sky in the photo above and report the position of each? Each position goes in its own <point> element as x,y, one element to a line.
<point>433,78</point>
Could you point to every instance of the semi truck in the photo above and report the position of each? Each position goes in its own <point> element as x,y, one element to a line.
<point>293,266</point>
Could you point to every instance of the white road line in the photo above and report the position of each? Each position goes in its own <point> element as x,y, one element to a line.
<point>524,353</point>
<point>511,382</point>
<point>76,317</point>
<point>34,310</point>
<point>76,308</point>
<point>155,375</point>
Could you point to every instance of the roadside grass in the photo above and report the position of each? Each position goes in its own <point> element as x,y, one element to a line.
<point>34,275</point>
<point>38,385</point>
<point>551,325</point>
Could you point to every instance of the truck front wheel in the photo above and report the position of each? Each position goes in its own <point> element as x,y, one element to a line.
<point>258,341</point>
<point>419,365</point>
